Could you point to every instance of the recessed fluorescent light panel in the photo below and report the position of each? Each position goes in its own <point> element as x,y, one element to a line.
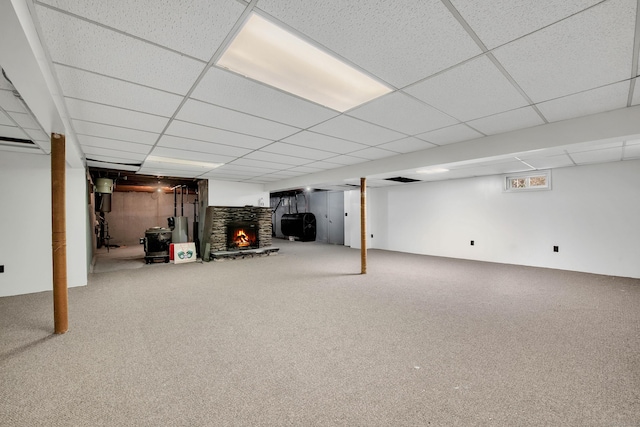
<point>433,170</point>
<point>189,163</point>
<point>269,54</point>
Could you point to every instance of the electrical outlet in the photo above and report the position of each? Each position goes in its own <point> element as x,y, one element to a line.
<point>473,243</point>
<point>555,249</point>
<point>1,268</point>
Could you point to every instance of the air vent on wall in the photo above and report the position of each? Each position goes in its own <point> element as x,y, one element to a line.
<point>17,140</point>
<point>114,163</point>
<point>402,179</point>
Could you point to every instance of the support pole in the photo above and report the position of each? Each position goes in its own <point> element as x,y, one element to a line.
<point>363,225</point>
<point>59,233</point>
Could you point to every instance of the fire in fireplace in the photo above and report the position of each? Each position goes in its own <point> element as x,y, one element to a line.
<point>242,236</point>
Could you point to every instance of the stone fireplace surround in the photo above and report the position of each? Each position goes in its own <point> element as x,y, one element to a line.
<point>218,217</point>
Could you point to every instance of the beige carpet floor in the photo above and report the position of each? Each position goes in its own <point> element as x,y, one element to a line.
<point>301,339</point>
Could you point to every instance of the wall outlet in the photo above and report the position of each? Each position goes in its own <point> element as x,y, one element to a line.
<point>555,249</point>
<point>1,268</point>
<point>473,243</point>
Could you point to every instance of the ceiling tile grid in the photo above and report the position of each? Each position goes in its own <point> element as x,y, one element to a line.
<point>180,154</point>
<point>114,132</point>
<point>471,90</point>
<point>25,120</point>
<point>90,47</point>
<point>182,26</point>
<point>113,144</point>
<point>508,121</point>
<point>275,158</point>
<point>402,113</point>
<point>391,41</point>
<point>323,142</point>
<point>201,146</point>
<point>13,132</point>
<point>552,62</point>
<point>500,21</point>
<point>5,120</point>
<point>10,103</point>
<point>593,101</point>
<point>450,135</point>
<point>103,151</point>
<point>222,87</point>
<point>105,90</point>
<point>209,134</point>
<point>355,130</point>
<point>407,145</point>
<point>222,118</point>
<point>98,113</point>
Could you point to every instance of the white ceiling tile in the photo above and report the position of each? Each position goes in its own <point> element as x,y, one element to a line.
<point>297,151</point>
<point>115,166</point>
<point>471,90</point>
<point>9,102</point>
<point>5,120</point>
<point>352,129</point>
<point>498,21</point>
<point>636,90</point>
<point>100,152</point>
<point>450,135</point>
<point>183,27</point>
<point>209,134</point>
<point>168,172</point>
<point>13,132</point>
<point>632,151</point>
<point>391,42</point>
<point>204,147</point>
<point>80,44</point>
<point>113,144</point>
<point>24,120</point>
<point>504,167</point>
<point>402,113</point>
<point>323,142</point>
<point>87,111</point>
<point>508,121</point>
<point>590,146</point>
<point>262,164</point>
<point>598,156</point>
<point>306,169</point>
<point>585,103</point>
<point>373,153</point>
<point>106,90</point>
<point>323,165</point>
<point>407,145</point>
<point>235,92</point>
<point>114,132</point>
<point>554,61</point>
<point>549,162</point>
<point>345,160</point>
<point>222,118</point>
<point>277,159</point>
<point>246,170</point>
<point>190,155</point>
<point>38,135</point>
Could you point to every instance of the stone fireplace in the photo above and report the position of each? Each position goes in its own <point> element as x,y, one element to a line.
<point>222,225</point>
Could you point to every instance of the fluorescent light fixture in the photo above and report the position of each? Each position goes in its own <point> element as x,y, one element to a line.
<point>191,163</point>
<point>269,54</point>
<point>433,170</point>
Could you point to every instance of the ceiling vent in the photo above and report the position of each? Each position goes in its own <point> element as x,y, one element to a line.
<point>16,141</point>
<point>402,179</point>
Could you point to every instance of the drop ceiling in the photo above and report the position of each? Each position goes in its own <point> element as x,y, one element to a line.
<point>139,79</point>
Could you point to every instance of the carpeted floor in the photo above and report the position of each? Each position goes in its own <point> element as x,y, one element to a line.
<point>301,339</point>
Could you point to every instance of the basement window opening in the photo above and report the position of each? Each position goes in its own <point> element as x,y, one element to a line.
<point>540,180</point>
